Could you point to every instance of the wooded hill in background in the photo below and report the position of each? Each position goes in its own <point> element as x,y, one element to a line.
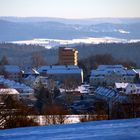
<point>14,29</point>
<point>21,54</point>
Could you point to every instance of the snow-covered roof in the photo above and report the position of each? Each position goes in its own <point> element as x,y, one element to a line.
<point>121,85</point>
<point>137,70</point>
<point>30,77</point>
<point>106,92</point>
<point>59,69</point>
<point>84,88</point>
<point>131,72</point>
<point>31,71</point>
<point>12,68</point>
<point>101,67</point>
<point>8,91</point>
<point>97,72</point>
<point>64,71</point>
<point>109,69</point>
<point>124,85</point>
<point>16,85</point>
<point>66,48</point>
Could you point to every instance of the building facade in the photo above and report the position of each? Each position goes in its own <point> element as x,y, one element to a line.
<point>108,75</point>
<point>12,72</point>
<point>68,56</point>
<point>128,88</point>
<point>62,73</point>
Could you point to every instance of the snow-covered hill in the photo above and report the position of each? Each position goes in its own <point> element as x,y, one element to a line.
<point>99,130</point>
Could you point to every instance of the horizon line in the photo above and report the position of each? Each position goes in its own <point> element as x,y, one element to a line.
<point>68,18</point>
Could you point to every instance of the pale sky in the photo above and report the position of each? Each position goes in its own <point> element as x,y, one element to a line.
<point>70,8</point>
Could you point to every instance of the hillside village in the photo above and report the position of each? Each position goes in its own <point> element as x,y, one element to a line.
<point>111,91</point>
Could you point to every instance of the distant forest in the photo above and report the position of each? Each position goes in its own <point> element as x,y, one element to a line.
<point>122,52</point>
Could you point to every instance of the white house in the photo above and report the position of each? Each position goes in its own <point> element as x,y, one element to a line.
<point>128,88</point>
<point>84,89</point>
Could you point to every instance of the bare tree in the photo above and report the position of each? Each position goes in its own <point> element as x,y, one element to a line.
<point>55,114</point>
<point>46,94</point>
<point>15,114</point>
<point>37,59</point>
<point>4,60</point>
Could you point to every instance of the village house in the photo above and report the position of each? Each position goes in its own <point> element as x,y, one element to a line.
<point>128,88</point>
<point>40,80</point>
<point>30,72</point>
<point>62,73</point>
<point>12,72</point>
<point>108,75</point>
<point>4,92</point>
<point>25,92</point>
<point>29,76</point>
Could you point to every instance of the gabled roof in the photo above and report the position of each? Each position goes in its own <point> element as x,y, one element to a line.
<point>137,70</point>
<point>109,69</point>
<point>131,72</point>
<point>106,92</point>
<point>8,91</point>
<point>16,85</point>
<point>101,67</point>
<point>121,85</point>
<point>60,69</point>
<point>64,71</point>
<point>31,71</point>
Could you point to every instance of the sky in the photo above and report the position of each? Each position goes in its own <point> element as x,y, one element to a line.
<point>70,8</point>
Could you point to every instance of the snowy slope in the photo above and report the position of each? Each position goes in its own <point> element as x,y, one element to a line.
<point>101,130</point>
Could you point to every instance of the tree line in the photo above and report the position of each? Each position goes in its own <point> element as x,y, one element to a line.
<point>93,61</point>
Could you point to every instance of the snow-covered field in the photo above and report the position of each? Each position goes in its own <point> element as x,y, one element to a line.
<point>50,43</point>
<point>99,130</point>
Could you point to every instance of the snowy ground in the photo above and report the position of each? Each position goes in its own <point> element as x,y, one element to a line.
<point>99,130</point>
